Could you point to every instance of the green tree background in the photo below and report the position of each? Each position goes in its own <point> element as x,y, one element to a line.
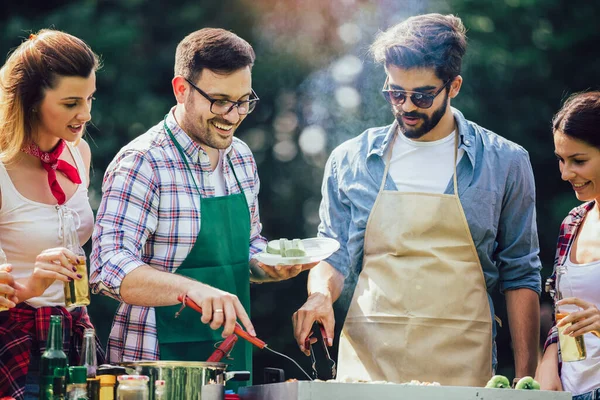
<point>318,87</point>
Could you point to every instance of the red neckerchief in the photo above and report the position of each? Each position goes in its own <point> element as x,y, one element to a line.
<point>51,164</point>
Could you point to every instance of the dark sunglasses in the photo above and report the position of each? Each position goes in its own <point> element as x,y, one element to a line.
<point>222,107</point>
<point>420,100</point>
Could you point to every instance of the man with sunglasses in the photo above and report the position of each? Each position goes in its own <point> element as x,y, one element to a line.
<point>433,213</point>
<point>179,215</point>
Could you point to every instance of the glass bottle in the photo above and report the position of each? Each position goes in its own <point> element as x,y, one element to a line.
<point>93,388</point>
<point>3,261</point>
<point>77,292</point>
<point>77,387</point>
<point>132,387</point>
<point>159,390</point>
<point>59,384</point>
<point>571,348</point>
<point>53,359</point>
<point>88,356</point>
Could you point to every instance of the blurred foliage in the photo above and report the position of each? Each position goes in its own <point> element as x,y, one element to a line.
<point>319,87</point>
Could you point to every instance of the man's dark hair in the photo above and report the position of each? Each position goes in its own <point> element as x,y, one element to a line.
<point>579,118</point>
<point>424,41</point>
<point>215,49</point>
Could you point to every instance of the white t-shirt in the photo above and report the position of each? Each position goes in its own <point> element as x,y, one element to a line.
<point>583,376</point>
<point>424,167</point>
<point>218,177</point>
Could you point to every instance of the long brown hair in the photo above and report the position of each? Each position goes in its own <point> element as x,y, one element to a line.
<point>31,69</point>
<point>579,118</point>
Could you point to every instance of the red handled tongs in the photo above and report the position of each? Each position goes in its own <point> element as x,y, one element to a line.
<point>238,330</point>
<point>224,349</point>
<point>308,344</point>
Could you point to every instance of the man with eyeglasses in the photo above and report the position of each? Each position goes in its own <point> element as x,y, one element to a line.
<point>433,213</point>
<point>179,215</point>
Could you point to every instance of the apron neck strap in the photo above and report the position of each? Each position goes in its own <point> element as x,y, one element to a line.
<point>184,157</point>
<point>388,158</point>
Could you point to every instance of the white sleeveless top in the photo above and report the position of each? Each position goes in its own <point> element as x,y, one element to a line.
<point>583,376</point>
<point>28,227</point>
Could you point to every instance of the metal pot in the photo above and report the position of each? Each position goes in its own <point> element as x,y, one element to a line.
<point>187,380</point>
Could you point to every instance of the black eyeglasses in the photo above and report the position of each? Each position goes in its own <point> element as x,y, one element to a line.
<point>421,100</point>
<point>222,107</point>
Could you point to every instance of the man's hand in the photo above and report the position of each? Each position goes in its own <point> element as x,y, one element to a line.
<point>8,294</point>
<point>220,308</point>
<point>318,307</point>
<point>523,310</point>
<point>267,273</point>
<point>584,321</point>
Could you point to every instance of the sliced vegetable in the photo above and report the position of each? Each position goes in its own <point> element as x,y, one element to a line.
<point>295,249</point>
<point>527,383</point>
<point>273,247</point>
<point>286,248</point>
<point>498,382</point>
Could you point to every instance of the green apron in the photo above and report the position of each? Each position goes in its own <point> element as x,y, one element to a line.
<point>219,258</point>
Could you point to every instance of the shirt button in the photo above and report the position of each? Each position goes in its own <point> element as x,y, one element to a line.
<point>468,142</point>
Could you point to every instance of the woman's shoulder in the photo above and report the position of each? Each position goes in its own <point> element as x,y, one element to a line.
<point>85,151</point>
<point>577,214</point>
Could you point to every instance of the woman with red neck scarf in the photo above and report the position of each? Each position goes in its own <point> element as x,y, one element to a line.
<point>46,92</point>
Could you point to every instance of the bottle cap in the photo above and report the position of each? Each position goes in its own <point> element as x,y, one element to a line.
<point>132,378</point>
<point>107,369</point>
<point>78,374</point>
<point>106,380</point>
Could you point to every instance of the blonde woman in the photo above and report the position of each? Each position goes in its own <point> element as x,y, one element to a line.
<point>46,92</point>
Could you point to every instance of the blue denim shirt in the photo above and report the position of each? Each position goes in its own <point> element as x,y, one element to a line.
<point>495,186</point>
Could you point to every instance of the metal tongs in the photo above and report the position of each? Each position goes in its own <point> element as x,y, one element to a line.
<point>238,330</point>
<point>308,344</point>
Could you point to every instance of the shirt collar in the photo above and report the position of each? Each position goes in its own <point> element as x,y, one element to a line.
<point>192,149</point>
<point>379,144</point>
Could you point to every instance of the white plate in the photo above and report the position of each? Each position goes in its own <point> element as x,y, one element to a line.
<point>317,249</point>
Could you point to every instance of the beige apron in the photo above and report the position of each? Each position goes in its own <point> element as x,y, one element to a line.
<point>420,308</point>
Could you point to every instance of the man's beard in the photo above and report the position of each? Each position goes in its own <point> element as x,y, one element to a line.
<point>201,133</point>
<point>428,122</point>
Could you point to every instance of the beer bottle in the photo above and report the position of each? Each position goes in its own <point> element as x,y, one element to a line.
<point>88,356</point>
<point>77,292</point>
<point>571,348</point>
<point>2,261</point>
<point>59,387</point>
<point>54,359</point>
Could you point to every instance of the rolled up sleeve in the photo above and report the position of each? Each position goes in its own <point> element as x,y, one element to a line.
<point>257,242</point>
<point>126,218</point>
<point>517,253</point>
<point>335,217</point>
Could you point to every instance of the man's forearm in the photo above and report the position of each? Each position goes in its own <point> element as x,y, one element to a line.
<point>327,280</point>
<point>523,309</point>
<point>147,286</point>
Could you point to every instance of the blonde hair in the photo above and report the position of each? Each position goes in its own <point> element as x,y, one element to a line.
<point>31,69</point>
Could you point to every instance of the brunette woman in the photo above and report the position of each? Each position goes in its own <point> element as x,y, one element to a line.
<point>577,147</point>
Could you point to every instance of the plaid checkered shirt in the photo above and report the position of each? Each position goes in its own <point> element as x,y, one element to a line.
<point>24,329</point>
<point>568,232</point>
<point>150,214</point>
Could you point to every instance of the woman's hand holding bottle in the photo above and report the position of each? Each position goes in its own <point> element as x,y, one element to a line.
<point>583,321</point>
<point>50,265</point>
<point>8,294</point>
